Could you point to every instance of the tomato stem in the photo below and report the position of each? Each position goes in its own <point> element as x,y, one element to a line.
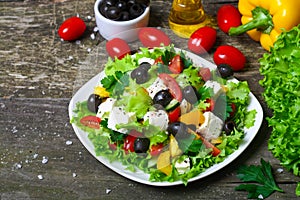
<point>262,21</point>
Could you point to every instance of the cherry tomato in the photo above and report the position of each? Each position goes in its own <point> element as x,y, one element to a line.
<point>215,151</point>
<point>231,56</point>
<point>117,48</point>
<point>129,143</point>
<point>112,146</point>
<point>158,60</point>
<point>228,16</point>
<point>211,106</point>
<point>205,73</point>
<point>176,65</point>
<point>72,29</point>
<point>202,40</point>
<point>173,86</point>
<point>152,37</point>
<point>155,150</point>
<point>174,114</point>
<point>91,121</point>
<point>233,107</point>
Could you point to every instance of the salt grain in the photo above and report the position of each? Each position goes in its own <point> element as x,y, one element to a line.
<point>45,160</point>
<point>40,177</point>
<point>18,166</point>
<point>35,156</point>
<point>89,49</point>
<point>279,170</point>
<point>69,142</point>
<point>78,42</point>
<point>96,29</point>
<point>74,175</point>
<point>89,17</point>
<point>93,36</point>
<point>70,57</point>
<point>108,191</point>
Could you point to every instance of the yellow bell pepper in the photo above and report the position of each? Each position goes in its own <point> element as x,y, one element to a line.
<point>264,20</point>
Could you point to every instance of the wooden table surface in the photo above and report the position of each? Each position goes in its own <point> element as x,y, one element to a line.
<point>40,155</point>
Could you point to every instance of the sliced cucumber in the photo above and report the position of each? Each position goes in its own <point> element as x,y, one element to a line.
<point>172,105</point>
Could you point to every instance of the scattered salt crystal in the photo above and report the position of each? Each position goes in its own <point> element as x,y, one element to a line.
<point>62,40</point>
<point>70,57</point>
<point>45,160</point>
<point>96,29</point>
<point>14,129</point>
<point>18,166</point>
<point>40,177</point>
<point>78,42</point>
<point>108,191</point>
<point>74,175</point>
<point>89,17</point>
<point>260,196</point>
<point>35,156</point>
<point>43,92</point>
<point>79,152</point>
<point>279,170</point>
<point>93,36</point>
<point>89,49</point>
<point>77,15</point>
<point>69,142</point>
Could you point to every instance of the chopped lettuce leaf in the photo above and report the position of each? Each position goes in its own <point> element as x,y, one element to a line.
<point>281,71</point>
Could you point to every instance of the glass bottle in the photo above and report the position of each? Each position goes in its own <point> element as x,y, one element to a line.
<point>186,16</point>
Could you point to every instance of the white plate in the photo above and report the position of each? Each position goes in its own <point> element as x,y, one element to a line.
<point>139,176</point>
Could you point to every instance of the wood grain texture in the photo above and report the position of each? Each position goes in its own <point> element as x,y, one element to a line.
<point>38,76</point>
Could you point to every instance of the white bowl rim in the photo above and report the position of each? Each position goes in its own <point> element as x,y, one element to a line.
<point>129,22</point>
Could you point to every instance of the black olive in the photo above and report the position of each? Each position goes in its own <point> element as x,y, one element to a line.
<point>228,127</point>
<point>121,5</point>
<point>190,94</point>
<point>225,70</point>
<point>113,13</point>
<point>145,65</point>
<point>135,10</point>
<point>141,145</point>
<point>110,2</point>
<point>103,9</point>
<point>163,97</point>
<point>124,16</point>
<point>140,75</point>
<point>93,102</point>
<point>178,129</point>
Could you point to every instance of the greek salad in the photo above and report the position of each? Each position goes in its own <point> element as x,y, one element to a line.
<point>158,112</point>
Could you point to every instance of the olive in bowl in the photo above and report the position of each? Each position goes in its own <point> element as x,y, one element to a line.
<point>121,18</point>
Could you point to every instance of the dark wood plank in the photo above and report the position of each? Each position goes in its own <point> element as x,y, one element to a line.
<point>39,74</point>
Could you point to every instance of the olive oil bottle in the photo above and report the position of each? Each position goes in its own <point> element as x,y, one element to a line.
<point>186,16</point>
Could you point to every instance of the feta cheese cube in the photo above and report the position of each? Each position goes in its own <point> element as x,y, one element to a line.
<point>215,86</point>
<point>183,166</point>
<point>118,116</point>
<point>157,118</point>
<point>147,60</point>
<point>106,107</point>
<point>155,87</point>
<point>212,126</point>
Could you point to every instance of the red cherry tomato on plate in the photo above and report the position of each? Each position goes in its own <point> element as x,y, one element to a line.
<point>205,73</point>
<point>173,86</point>
<point>231,56</point>
<point>91,121</point>
<point>117,48</point>
<point>202,40</point>
<point>152,37</point>
<point>176,65</point>
<point>174,114</point>
<point>129,143</point>
<point>155,150</point>
<point>228,16</point>
<point>72,29</point>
